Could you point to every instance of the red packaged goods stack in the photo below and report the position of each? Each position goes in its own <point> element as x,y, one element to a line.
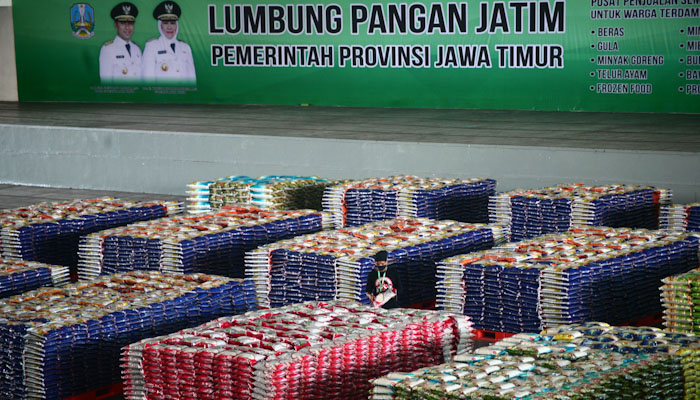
<point>305,351</point>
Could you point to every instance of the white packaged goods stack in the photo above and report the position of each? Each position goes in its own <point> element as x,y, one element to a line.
<point>587,274</point>
<point>335,264</point>
<point>531,213</point>
<point>49,232</point>
<point>63,342</point>
<point>680,296</point>
<point>586,362</point>
<point>680,217</point>
<point>268,192</point>
<point>356,203</point>
<point>213,242</point>
<point>305,351</point>
<point>21,276</point>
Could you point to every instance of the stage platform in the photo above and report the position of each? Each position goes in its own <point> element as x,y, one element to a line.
<point>159,148</point>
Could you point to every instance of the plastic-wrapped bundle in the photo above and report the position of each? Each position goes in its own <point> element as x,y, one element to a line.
<point>213,243</point>
<point>679,217</point>
<point>683,348</point>
<point>21,276</point>
<point>568,364</point>
<point>586,274</point>
<point>690,358</point>
<point>49,232</point>
<point>680,296</point>
<point>304,351</point>
<point>269,192</point>
<point>198,194</point>
<point>360,202</point>
<point>531,213</point>
<point>336,264</point>
<point>61,342</point>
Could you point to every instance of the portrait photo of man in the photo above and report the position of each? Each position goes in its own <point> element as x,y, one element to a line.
<point>120,58</point>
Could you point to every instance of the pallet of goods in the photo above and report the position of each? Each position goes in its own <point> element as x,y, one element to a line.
<point>62,342</point>
<point>584,362</point>
<point>308,351</point>
<point>50,232</point>
<point>679,217</point>
<point>335,264</point>
<point>531,213</point>
<point>357,203</point>
<point>680,296</point>
<point>22,276</point>
<point>212,243</point>
<point>587,274</point>
<point>268,192</point>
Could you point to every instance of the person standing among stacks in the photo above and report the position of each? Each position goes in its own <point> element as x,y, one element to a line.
<point>383,283</point>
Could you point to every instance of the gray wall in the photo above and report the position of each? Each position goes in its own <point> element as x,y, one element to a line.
<point>164,162</point>
<point>8,71</point>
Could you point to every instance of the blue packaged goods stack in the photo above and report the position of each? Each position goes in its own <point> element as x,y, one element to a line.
<point>50,232</point>
<point>679,217</point>
<point>62,342</point>
<point>592,361</point>
<point>531,213</point>
<point>357,203</point>
<point>587,274</point>
<point>22,276</point>
<point>310,351</point>
<point>268,192</point>
<point>335,264</point>
<point>213,243</point>
<point>680,295</point>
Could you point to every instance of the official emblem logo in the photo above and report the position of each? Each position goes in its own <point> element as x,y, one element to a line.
<point>168,8</point>
<point>82,20</point>
<point>126,9</point>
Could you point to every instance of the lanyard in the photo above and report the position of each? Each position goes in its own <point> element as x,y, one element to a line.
<point>381,277</point>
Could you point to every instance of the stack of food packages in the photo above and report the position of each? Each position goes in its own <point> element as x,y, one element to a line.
<point>212,243</point>
<point>269,192</point>
<point>681,217</point>
<point>61,342</point>
<point>335,264</point>
<point>587,274</point>
<point>590,361</point>
<point>531,213</point>
<point>21,276</point>
<point>360,202</point>
<point>680,295</point>
<point>49,232</point>
<point>303,351</point>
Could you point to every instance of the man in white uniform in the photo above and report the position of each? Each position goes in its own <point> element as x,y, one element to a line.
<point>120,59</point>
<point>166,59</point>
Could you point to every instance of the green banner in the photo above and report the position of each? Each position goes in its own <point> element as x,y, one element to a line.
<point>593,55</point>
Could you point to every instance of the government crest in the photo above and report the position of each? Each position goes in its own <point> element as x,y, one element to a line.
<point>82,20</point>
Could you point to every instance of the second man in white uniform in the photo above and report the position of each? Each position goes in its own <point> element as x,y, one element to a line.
<point>166,59</point>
